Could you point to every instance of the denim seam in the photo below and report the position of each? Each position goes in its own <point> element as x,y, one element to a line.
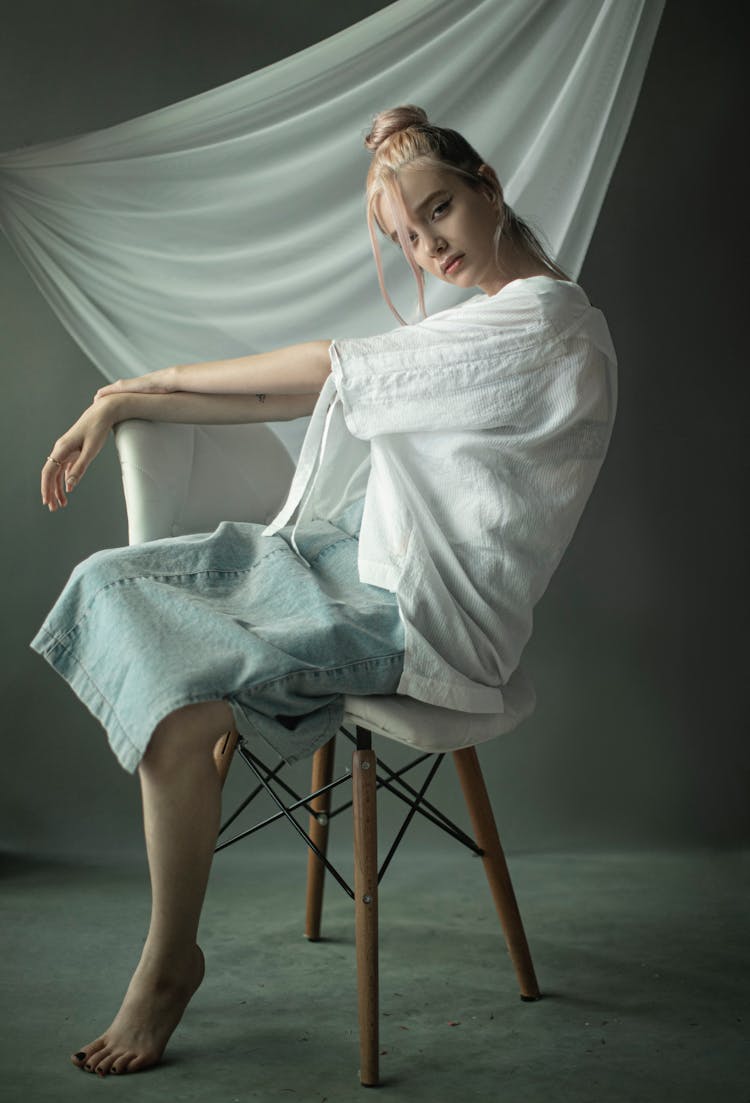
<point>389,657</point>
<point>344,538</point>
<point>154,578</point>
<point>328,548</point>
<point>97,689</point>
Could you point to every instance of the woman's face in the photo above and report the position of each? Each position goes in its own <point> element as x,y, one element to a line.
<point>450,226</point>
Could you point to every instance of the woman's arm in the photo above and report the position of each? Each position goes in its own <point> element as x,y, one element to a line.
<point>297,369</point>
<point>74,450</point>
<point>267,386</point>
<point>209,409</point>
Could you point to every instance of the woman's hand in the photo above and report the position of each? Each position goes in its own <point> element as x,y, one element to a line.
<point>155,382</point>
<point>74,451</point>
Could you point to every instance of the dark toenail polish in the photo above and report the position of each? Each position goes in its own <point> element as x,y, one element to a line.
<point>79,1056</point>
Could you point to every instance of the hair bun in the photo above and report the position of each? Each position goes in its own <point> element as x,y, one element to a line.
<point>392,121</point>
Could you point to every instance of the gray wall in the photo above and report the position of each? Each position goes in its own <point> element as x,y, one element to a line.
<point>638,738</point>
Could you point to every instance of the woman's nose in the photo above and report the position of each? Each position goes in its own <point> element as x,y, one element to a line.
<point>436,245</point>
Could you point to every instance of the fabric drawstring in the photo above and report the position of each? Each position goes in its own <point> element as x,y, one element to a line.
<point>311,455</point>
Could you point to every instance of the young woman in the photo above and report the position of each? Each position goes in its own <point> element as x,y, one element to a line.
<point>443,473</point>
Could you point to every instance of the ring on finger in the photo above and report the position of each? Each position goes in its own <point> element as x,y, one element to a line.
<point>58,462</point>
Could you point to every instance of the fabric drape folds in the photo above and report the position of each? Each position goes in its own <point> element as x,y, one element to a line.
<point>234,221</point>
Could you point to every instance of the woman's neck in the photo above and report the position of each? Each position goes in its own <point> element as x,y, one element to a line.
<point>515,263</point>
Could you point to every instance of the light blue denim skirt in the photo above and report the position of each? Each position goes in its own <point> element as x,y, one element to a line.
<point>141,631</point>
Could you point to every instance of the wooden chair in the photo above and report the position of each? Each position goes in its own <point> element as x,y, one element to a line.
<point>170,477</point>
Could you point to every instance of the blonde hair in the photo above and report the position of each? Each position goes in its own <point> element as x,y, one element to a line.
<point>399,137</point>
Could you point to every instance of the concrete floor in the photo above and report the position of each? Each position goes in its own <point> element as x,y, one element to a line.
<point>642,958</point>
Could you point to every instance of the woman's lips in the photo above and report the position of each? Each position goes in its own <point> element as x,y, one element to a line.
<point>453,265</point>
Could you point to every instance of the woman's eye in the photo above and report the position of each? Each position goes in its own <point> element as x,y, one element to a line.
<point>441,207</point>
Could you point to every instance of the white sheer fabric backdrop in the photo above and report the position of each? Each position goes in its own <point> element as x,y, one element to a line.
<point>234,221</point>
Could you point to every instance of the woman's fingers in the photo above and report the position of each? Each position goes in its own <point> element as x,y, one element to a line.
<point>49,474</point>
<point>152,383</point>
<point>68,461</point>
<point>72,454</point>
<point>110,388</point>
<point>54,479</point>
<point>59,488</point>
<point>140,383</point>
<point>77,468</point>
<point>49,484</point>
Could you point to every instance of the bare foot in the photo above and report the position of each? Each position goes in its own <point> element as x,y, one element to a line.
<point>152,1008</point>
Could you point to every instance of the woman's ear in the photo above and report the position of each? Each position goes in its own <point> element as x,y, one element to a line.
<point>491,187</point>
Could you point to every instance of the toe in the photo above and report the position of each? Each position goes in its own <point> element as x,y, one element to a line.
<point>95,1059</point>
<point>104,1066</point>
<point>141,1061</point>
<point>121,1063</point>
<point>82,1058</point>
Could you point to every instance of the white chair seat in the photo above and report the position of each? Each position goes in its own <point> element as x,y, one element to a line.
<point>431,728</point>
<point>181,479</point>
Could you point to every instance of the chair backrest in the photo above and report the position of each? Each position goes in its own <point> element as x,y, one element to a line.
<point>181,479</point>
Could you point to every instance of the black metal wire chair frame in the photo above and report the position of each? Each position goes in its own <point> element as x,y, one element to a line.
<point>392,780</point>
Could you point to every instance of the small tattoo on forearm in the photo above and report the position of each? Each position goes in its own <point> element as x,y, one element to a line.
<point>261,397</point>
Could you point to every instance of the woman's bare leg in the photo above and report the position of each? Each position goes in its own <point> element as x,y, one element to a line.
<point>181,806</point>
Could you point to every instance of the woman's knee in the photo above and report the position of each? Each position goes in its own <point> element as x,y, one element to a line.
<point>192,729</point>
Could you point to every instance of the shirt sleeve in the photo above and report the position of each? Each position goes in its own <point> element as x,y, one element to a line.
<point>470,367</point>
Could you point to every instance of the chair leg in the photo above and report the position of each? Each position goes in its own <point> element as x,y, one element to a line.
<point>223,751</point>
<point>366,903</point>
<point>322,773</point>
<point>485,831</point>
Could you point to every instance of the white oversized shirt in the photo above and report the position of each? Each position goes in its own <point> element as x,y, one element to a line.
<point>476,437</point>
